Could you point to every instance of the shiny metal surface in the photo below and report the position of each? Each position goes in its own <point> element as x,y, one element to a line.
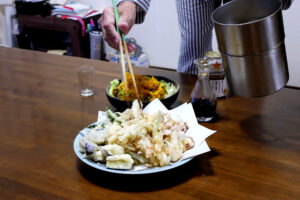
<point>246,27</point>
<point>250,37</point>
<point>257,75</point>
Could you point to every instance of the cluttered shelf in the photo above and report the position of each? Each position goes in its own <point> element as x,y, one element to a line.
<point>37,33</point>
<point>68,29</point>
<point>49,29</point>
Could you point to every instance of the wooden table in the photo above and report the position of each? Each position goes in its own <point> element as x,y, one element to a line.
<point>254,155</point>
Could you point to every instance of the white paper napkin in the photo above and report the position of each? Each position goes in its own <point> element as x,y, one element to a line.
<point>186,113</point>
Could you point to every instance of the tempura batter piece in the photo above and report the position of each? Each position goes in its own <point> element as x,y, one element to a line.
<point>119,162</point>
<point>112,150</point>
<point>98,156</point>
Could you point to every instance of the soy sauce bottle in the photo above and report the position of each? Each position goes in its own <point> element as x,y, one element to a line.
<point>203,97</point>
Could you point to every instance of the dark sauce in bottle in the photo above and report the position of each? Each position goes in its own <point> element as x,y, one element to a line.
<point>205,109</point>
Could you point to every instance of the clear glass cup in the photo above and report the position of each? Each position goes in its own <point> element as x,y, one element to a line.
<point>85,78</point>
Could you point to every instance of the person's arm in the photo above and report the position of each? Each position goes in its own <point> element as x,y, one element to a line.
<point>130,12</point>
<point>286,4</point>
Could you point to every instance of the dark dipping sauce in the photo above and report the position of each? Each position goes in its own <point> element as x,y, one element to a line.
<point>204,108</point>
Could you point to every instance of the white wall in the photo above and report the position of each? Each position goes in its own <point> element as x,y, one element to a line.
<point>159,36</point>
<point>3,4</point>
<point>2,26</point>
<point>291,19</point>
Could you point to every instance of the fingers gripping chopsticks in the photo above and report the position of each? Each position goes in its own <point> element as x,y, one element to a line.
<point>123,41</point>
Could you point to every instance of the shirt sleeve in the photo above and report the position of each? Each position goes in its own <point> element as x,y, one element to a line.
<point>142,7</point>
<point>286,4</point>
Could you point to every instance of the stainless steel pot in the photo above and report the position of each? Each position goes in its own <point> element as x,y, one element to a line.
<point>250,37</point>
<point>257,75</point>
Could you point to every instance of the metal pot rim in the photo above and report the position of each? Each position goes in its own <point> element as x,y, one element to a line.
<point>241,24</point>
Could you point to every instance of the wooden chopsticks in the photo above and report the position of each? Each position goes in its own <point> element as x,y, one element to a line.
<point>127,56</point>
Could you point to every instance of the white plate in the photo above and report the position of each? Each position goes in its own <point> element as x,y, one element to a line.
<point>117,171</point>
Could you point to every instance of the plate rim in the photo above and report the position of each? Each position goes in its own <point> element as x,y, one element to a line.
<point>118,171</point>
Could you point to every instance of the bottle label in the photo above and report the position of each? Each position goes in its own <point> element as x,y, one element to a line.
<point>217,75</point>
<point>219,87</point>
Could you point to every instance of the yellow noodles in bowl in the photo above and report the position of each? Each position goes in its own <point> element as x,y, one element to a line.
<point>149,88</point>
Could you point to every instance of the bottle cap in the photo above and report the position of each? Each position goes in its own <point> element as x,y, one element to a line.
<point>213,54</point>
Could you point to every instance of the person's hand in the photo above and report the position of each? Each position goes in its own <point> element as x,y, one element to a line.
<point>127,12</point>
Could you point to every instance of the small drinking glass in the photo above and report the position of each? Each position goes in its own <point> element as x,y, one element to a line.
<point>85,77</point>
